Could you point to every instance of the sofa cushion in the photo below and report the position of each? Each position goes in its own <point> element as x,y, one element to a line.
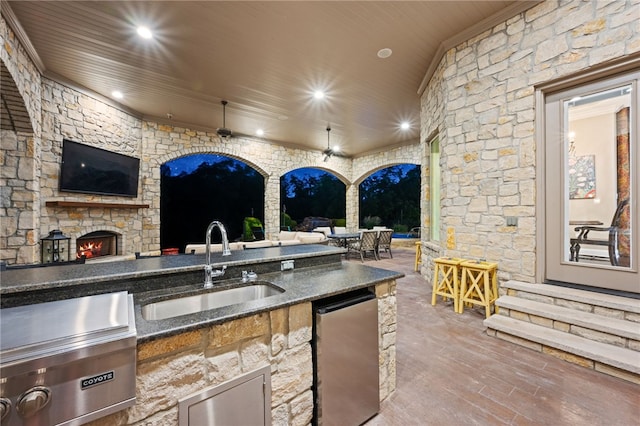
<point>310,237</point>
<point>289,242</point>
<point>326,230</point>
<point>257,244</point>
<point>287,235</point>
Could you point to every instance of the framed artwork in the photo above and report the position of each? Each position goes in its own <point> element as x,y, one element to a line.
<point>582,177</point>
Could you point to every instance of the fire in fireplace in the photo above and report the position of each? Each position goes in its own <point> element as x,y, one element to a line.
<point>97,244</point>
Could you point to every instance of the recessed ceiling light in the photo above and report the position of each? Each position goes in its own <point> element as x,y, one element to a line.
<point>318,94</point>
<point>405,125</point>
<point>260,132</point>
<point>117,94</point>
<point>145,32</point>
<point>384,53</point>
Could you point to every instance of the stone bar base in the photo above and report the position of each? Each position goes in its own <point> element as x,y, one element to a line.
<point>172,368</point>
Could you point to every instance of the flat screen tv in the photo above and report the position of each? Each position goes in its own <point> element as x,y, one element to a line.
<point>91,170</point>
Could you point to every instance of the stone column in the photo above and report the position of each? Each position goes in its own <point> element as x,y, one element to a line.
<point>352,207</point>
<point>271,206</point>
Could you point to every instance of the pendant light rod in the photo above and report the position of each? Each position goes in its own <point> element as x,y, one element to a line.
<point>328,152</point>
<point>224,114</point>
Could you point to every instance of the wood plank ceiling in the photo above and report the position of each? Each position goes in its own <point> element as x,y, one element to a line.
<point>265,58</point>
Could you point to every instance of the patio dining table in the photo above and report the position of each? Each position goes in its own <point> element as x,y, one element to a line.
<point>343,239</point>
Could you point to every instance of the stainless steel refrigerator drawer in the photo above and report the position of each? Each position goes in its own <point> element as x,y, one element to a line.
<point>347,375</point>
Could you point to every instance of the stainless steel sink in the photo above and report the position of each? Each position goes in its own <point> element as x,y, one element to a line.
<point>211,300</point>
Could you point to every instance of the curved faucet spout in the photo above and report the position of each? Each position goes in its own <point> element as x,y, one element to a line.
<point>226,251</point>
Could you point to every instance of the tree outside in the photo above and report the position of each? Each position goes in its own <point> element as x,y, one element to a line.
<point>311,193</point>
<point>198,189</point>
<point>393,196</point>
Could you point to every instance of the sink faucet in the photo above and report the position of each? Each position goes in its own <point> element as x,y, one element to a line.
<point>209,272</point>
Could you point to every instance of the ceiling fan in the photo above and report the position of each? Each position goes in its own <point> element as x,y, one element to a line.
<point>329,152</point>
<point>223,132</point>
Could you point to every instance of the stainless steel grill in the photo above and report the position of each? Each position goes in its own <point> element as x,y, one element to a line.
<point>67,362</point>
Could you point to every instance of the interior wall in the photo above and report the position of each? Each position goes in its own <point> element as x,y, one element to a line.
<point>597,136</point>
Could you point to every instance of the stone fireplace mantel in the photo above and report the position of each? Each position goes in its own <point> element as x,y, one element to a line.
<point>95,204</point>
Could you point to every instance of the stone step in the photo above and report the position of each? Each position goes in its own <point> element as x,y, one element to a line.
<point>614,356</point>
<point>600,303</point>
<point>584,320</point>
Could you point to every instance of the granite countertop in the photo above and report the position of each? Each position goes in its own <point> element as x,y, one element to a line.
<point>318,273</point>
<point>50,277</point>
<point>299,285</point>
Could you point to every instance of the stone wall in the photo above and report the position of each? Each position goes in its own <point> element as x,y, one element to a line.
<point>172,368</point>
<point>20,158</point>
<point>480,101</point>
<point>71,114</point>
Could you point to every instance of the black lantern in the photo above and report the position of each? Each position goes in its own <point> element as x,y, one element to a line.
<point>55,247</point>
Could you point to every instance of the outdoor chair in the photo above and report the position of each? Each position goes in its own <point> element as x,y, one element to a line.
<point>365,244</point>
<point>384,242</point>
<point>619,253</point>
<point>258,233</point>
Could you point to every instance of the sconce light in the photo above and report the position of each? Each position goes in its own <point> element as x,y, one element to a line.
<point>55,247</point>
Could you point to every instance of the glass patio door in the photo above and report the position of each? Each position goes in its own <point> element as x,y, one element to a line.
<point>591,184</point>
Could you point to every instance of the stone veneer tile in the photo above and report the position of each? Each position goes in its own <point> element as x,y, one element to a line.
<point>546,322</point>
<point>572,358</point>
<point>608,312</point>
<point>300,324</point>
<point>302,409</point>
<point>631,316</point>
<point>382,290</point>
<point>294,374</point>
<point>598,336</point>
<point>236,330</point>
<point>300,316</point>
<point>280,415</point>
<point>279,322</point>
<point>562,326</point>
<point>616,372</point>
<point>519,341</point>
<point>223,366</point>
<point>254,354</point>
<point>519,315</point>
<point>167,345</point>
<point>160,383</point>
<point>584,307</point>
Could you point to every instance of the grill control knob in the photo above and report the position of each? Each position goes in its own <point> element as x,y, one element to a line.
<point>5,407</point>
<point>33,401</point>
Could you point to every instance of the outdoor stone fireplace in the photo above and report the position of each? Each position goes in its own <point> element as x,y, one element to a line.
<point>97,244</point>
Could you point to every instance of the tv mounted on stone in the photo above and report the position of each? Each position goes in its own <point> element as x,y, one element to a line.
<point>90,170</point>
